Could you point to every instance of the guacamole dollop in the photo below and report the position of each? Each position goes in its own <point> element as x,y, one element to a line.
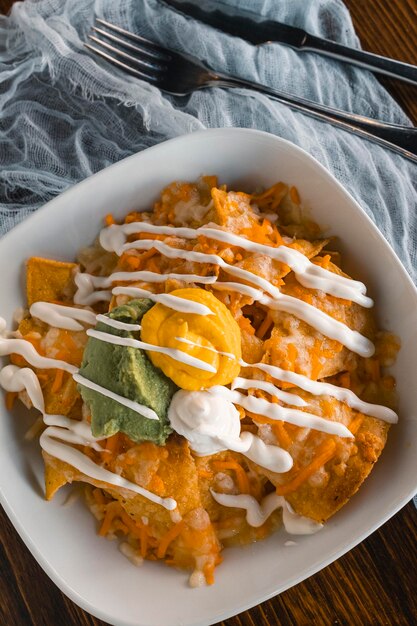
<point>128,372</point>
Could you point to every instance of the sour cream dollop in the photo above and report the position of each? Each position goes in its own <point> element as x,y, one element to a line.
<point>204,420</point>
<point>211,424</point>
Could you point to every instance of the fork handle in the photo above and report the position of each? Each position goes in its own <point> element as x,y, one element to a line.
<point>400,139</point>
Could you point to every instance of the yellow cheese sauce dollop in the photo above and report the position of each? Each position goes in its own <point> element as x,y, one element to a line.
<point>219,332</point>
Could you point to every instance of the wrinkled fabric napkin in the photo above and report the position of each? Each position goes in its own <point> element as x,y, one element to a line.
<point>65,114</point>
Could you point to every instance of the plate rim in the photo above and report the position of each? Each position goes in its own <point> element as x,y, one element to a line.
<point>49,206</point>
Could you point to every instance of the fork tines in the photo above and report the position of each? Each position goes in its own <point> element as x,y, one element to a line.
<point>133,53</point>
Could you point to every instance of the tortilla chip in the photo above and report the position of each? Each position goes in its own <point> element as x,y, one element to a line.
<point>309,248</point>
<point>48,280</point>
<point>57,474</point>
<point>64,401</point>
<point>177,473</point>
<point>294,345</point>
<point>252,346</point>
<point>272,270</point>
<point>322,494</point>
<point>231,210</point>
<point>28,325</point>
<point>297,346</point>
<point>169,471</point>
<point>230,522</point>
<point>320,503</point>
<point>170,466</point>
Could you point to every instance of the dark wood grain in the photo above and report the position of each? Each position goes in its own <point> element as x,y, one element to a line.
<point>373,585</point>
<point>389,27</point>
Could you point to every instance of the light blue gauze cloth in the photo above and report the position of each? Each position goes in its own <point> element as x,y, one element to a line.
<point>65,115</point>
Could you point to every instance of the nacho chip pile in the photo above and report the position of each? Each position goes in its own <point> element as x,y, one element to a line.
<point>327,469</point>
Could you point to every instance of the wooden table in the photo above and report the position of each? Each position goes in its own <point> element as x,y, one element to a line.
<point>373,585</point>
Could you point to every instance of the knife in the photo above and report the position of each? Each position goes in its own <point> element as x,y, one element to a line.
<point>257,30</point>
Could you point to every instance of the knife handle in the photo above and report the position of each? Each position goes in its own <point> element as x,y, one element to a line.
<point>401,139</point>
<point>365,60</point>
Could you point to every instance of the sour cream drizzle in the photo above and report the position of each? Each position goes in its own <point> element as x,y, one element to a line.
<point>229,355</point>
<point>88,283</point>
<point>327,389</point>
<point>86,294</point>
<point>116,323</point>
<point>62,316</point>
<point>173,302</point>
<point>257,514</point>
<point>177,355</point>
<point>148,277</point>
<point>15,379</point>
<point>85,465</point>
<point>310,314</point>
<point>307,273</point>
<point>113,238</point>
<point>27,351</point>
<point>65,317</point>
<point>79,430</point>
<point>271,457</point>
<point>313,316</point>
<point>61,429</point>
<point>277,412</point>
<point>253,383</point>
<point>130,404</point>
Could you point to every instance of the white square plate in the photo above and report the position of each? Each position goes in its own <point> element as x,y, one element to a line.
<point>91,571</point>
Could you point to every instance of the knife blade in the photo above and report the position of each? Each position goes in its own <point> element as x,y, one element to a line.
<point>257,30</point>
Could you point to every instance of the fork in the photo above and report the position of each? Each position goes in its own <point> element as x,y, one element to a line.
<point>181,74</point>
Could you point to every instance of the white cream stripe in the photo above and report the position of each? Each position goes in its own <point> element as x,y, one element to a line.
<point>172,302</point>
<point>177,355</point>
<point>104,319</point>
<point>85,465</point>
<point>61,316</point>
<point>277,412</point>
<point>308,274</point>
<point>327,389</point>
<point>313,316</point>
<point>25,349</point>
<point>130,404</point>
<point>253,383</point>
<point>316,318</point>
